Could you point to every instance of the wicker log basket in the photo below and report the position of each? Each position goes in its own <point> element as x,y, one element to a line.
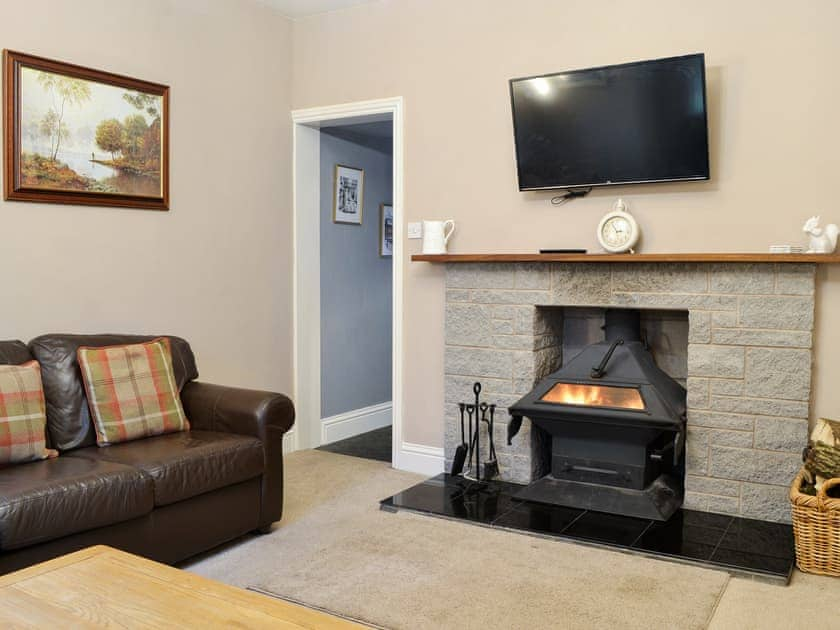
<point>816,527</point>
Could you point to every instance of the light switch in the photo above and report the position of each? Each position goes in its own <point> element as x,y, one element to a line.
<point>415,230</point>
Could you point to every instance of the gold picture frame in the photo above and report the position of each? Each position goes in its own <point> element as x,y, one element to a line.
<point>348,194</point>
<point>74,135</point>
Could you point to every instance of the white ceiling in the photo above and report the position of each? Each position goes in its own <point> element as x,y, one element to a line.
<point>301,8</point>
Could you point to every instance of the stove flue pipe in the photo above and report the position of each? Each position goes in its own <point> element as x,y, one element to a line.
<point>622,323</point>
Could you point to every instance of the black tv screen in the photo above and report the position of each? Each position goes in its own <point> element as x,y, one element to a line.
<point>625,124</point>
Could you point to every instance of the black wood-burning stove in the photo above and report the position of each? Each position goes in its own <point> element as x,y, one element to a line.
<point>617,426</point>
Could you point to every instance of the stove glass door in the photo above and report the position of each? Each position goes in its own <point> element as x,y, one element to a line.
<point>595,396</point>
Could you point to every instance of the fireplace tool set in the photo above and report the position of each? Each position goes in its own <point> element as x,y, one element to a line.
<point>469,452</point>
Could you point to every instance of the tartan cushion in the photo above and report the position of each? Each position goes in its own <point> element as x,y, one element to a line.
<point>23,415</point>
<point>131,391</point>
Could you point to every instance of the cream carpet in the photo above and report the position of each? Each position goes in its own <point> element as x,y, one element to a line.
<point>337,551</point>
<point>809,601</point>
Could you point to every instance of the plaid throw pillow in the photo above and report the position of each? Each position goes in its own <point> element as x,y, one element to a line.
<point>131,391</point>
<point>23,416</point>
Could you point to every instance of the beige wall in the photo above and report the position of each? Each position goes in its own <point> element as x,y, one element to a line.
<point>216,269</point>
<point>773,91</point>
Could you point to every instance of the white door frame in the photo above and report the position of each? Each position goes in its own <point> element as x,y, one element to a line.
<point>306,226</point>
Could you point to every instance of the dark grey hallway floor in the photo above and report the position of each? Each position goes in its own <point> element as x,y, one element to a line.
<point>374,444</point>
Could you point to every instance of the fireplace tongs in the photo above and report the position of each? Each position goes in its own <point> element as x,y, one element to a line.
<point>599,370</point>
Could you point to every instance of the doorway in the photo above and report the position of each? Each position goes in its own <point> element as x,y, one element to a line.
<point>348,278</point>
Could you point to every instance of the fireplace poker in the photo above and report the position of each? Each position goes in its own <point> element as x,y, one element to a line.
<point>470,446</point>
<point>477,390</point>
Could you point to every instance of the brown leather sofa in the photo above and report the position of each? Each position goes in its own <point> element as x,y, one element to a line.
<point>167,497</point>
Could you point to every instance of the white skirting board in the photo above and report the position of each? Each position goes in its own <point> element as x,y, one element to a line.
<point>289,443</point>
<point>350,423</point>
<point>418,458</point>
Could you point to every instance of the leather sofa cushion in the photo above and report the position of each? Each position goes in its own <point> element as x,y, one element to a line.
<point>68,416</point>
<point>44,500</point>
<point>14,353</point>
<point>186,464</point>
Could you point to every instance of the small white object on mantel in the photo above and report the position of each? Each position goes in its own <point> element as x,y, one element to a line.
<point>618,231</point>
<point>823,240</point>
<point>436,235</point>
<point>786,249</point>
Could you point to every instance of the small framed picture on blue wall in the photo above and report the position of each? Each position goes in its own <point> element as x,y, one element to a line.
<point>348,194</point>
<point>386,229</point>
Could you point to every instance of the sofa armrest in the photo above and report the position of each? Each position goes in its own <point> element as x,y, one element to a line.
<point>236,410</point>
<point>263,415</point>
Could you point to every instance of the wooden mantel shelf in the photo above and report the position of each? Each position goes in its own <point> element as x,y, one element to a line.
<point>632,258</point>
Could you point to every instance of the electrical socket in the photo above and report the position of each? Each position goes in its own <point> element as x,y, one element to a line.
<point>415,230</point>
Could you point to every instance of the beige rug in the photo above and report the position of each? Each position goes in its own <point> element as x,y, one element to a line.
<point>337,551</point>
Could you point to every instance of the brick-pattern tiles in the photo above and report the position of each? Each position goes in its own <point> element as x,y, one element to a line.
<point>749,361</point>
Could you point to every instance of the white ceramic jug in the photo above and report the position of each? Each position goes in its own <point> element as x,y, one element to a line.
<point>436,236</point>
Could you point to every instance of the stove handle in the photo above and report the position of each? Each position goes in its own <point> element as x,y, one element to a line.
<point>599,370</point>
<point>658,455</point>
<point>679,445</point>
<point>676,446</point>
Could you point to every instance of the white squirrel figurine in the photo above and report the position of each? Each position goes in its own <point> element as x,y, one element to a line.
<point>823,240</point>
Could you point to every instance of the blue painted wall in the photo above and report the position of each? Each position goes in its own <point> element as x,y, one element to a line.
<point>356,283</point>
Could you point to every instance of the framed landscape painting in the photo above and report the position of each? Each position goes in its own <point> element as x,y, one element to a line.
<point>73,135</point>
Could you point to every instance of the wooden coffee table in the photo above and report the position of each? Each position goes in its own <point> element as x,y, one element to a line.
<point>102,587</point>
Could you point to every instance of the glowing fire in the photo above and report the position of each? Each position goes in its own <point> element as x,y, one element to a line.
<point>595,396</point>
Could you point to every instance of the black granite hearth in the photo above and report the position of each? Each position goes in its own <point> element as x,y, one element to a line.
<point>741,546</point>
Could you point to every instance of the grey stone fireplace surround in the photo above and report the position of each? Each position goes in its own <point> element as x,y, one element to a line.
<point>746,357</point>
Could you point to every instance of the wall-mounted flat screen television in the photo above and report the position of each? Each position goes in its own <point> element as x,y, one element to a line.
<point>626,124</point>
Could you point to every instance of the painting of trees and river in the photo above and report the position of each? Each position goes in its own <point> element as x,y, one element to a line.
<point>87,136</point>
